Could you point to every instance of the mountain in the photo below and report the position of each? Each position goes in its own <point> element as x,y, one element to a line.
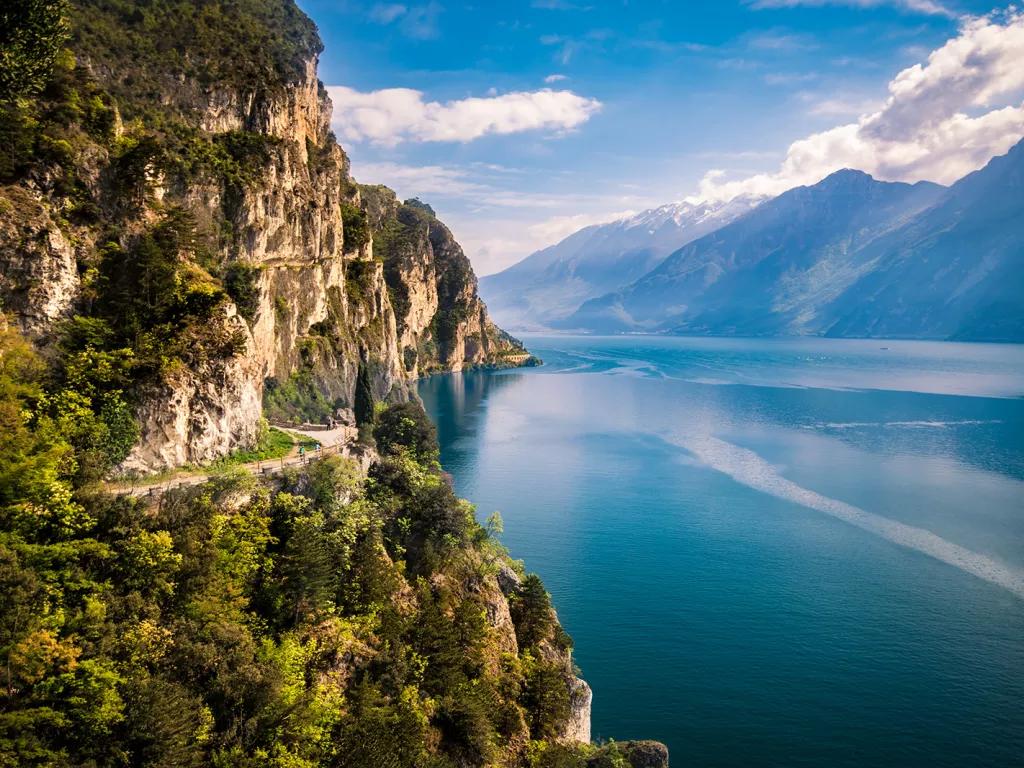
<point>850,256</point>
<point>549,285</point>
<point>956,271</point>
<point>772,270</point>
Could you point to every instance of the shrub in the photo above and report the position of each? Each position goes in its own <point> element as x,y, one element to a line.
<point>406,426</point>
<point>355,229</point>
<point>241,281</point>
<point>364,399</point>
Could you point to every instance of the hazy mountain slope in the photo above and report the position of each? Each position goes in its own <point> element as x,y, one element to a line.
<point>956,271</point>
<point>772,270</point>
<point>550,284</point>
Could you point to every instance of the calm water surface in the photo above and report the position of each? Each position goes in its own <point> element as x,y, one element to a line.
<point>769,552</point>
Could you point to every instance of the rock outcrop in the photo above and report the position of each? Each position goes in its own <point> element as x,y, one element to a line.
<point>322,281</point>
<point>581,698</point>
<point>39,279</point>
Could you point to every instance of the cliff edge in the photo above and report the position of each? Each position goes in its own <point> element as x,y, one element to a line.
<point>175,197</point>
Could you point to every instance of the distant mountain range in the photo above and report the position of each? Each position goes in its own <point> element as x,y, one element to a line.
<point>850,256</point>
<point>548,286</point>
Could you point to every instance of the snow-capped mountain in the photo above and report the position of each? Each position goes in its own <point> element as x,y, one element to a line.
<point>551,284</point>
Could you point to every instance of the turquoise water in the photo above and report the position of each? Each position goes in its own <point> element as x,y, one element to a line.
<point>769,552</point>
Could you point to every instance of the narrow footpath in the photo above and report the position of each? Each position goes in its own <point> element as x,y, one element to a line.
<point>333,442</point>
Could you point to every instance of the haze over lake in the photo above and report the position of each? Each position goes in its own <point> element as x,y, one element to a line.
<point>769,552</point>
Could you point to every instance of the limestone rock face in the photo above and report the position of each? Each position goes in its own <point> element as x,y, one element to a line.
<point>198,416</point>
<point>500,617</point>
<point>508,580</point>
<point>581,698</point>
<point>39,279</point>
<point>319,302</point>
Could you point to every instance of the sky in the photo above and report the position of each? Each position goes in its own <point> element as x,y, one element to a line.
<point>522,121</point>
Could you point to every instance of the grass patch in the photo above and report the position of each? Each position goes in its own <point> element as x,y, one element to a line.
<point>277,445</point>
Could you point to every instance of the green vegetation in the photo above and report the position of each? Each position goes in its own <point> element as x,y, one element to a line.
<point>245,43</point>
<point>355,227</point>
<point>324,621</point>
<point>32,33</point>
<point>365,402</point>
<point>415,202</point>
<point>359,280</point>
<point>297,399</point>
<point>241,281</point>
<point>273,444</point>
<point>404,427</point>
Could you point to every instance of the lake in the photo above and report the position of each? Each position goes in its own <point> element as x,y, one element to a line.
<point>785,552</point>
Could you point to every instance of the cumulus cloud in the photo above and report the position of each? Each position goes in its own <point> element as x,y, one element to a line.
<point>555,78</point>
<point>391,116</point>
<point>942,120</point>
<point>929,7</point>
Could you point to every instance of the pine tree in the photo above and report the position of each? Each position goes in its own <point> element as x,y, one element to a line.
<point>531,612</point>
<point>364,404</point>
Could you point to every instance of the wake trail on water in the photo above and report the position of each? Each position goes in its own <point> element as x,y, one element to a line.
<point>748,468</point>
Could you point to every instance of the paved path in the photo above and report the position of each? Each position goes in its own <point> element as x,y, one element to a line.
<point>333,443</point>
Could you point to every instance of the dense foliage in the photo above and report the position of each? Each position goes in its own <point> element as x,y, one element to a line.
<point>323,621</point>
<point>243,43</point>
<point>32,33</point>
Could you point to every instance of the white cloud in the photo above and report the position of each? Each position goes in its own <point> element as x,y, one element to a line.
<point>417,21</point>
<point>929,7</point>
<point>781,41</point>
<point>557,228</point>
<point>942,120</point>
<point>844,107</point>
<point>385,13</point>
<point>788,78</point>
<point>555,78</point>
<point>391,116</point>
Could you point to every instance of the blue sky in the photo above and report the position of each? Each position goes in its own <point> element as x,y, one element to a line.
<point>520,122</point>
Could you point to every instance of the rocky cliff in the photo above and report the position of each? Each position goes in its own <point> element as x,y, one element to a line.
<point>308,276</point>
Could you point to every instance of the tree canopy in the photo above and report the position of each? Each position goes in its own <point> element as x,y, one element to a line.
<point>32,34</point>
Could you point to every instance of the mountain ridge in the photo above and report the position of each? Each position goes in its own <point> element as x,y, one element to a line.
<point>544,288</point>
<point>849,256</point>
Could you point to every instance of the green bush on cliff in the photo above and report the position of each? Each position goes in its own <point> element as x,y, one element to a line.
<point>296,399</point>
<point>405,426</point>
<point>355,227</point>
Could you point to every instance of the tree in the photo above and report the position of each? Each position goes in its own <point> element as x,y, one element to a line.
<point>546,699</point>
<point>531,612</point>
<point>406,425</point>
<point>364,401</point>
<point>32,34</point>
<point>355,228</point>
